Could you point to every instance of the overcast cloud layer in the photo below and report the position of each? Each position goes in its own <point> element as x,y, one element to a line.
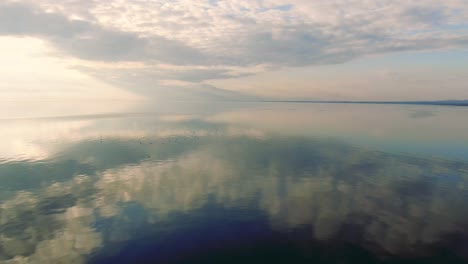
<point>144,46</point>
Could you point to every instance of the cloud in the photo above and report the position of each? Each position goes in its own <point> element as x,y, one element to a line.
<point>223,34</point>
<point>87,40</point>
<point>79,38</point>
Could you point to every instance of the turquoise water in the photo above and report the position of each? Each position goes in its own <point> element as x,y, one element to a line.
<point>250,183</point>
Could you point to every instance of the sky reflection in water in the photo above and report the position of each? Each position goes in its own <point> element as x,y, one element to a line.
<point>261,183</point>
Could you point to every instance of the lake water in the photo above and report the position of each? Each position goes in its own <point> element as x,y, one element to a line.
<point>236,183</point>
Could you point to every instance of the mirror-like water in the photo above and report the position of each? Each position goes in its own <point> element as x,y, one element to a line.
<point>266,183</point>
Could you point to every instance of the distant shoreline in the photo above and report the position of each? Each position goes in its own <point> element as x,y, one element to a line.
<point>444,103</point>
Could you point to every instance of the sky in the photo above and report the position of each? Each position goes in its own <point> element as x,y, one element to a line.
<point>234,49</point>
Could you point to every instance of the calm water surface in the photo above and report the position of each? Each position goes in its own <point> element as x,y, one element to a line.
<point>257,183</point>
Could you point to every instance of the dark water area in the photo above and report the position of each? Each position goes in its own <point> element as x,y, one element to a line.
<point>268,183</point>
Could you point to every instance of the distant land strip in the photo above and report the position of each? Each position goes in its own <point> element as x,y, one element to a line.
<point>444,102</point>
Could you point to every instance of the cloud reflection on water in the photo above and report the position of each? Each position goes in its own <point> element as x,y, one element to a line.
<point>97,192</point>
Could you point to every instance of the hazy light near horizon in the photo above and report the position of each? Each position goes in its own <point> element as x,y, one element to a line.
<point>385,50</point>
<point>30,71</point>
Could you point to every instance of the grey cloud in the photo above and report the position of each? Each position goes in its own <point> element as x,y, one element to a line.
<point>301,48</point>
<point>148,82</point>
<point>189,34</point>
<point>171,51</point>
<point>295,48</point>
<point>430,16</point>
<point>90,41</point>
<point>98,44</point>
<point>198,75</point>
<point>246,39</point>
<point>300,45</point>
<point>20,19</point>
<point>313,47</point>
<point>420,44</point>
